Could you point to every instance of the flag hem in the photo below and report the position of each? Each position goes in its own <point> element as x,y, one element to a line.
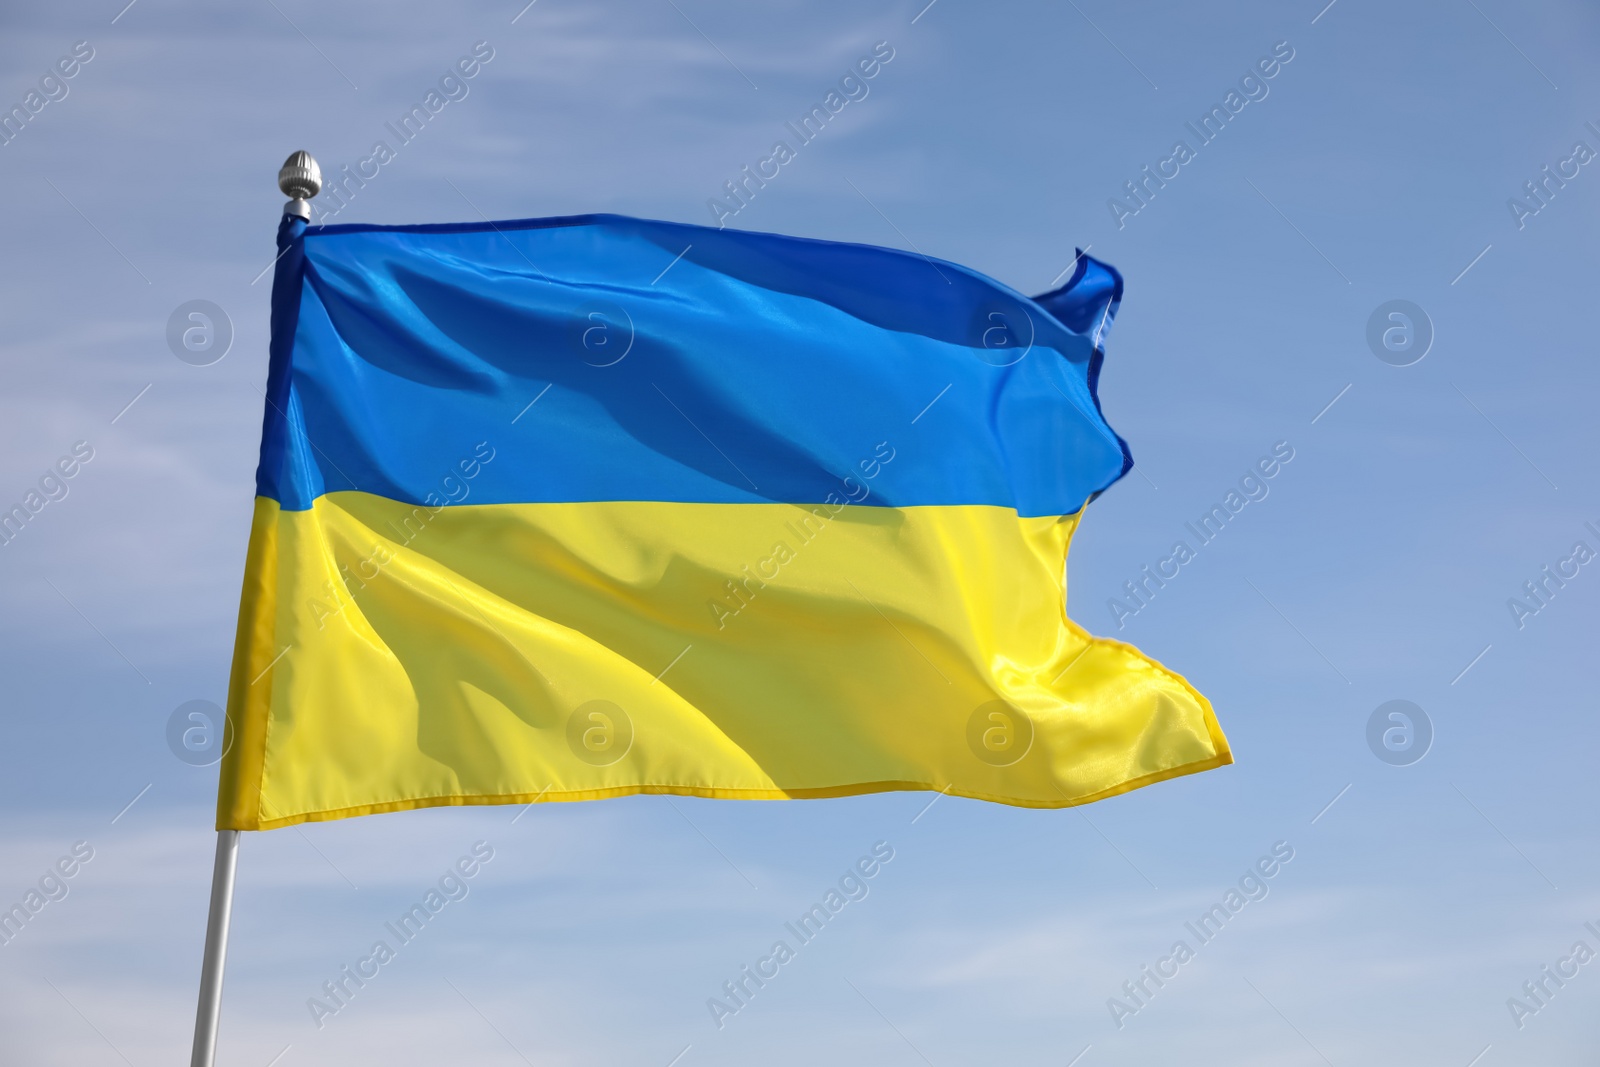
<point>1222,758</point>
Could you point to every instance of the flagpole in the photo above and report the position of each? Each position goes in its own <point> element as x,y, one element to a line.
<point>300,179</point>
<point>210,1008</point>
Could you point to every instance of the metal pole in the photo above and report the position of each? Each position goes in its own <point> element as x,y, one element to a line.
<point>300,179</point>
<point>210,1009</point>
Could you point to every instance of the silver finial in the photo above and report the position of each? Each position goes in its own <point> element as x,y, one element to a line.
<point>300,179</point>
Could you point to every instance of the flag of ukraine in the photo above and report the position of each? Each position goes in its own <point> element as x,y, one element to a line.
<point>572,508</point>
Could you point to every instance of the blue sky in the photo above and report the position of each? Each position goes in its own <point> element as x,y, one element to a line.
<point>1378,166</point>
